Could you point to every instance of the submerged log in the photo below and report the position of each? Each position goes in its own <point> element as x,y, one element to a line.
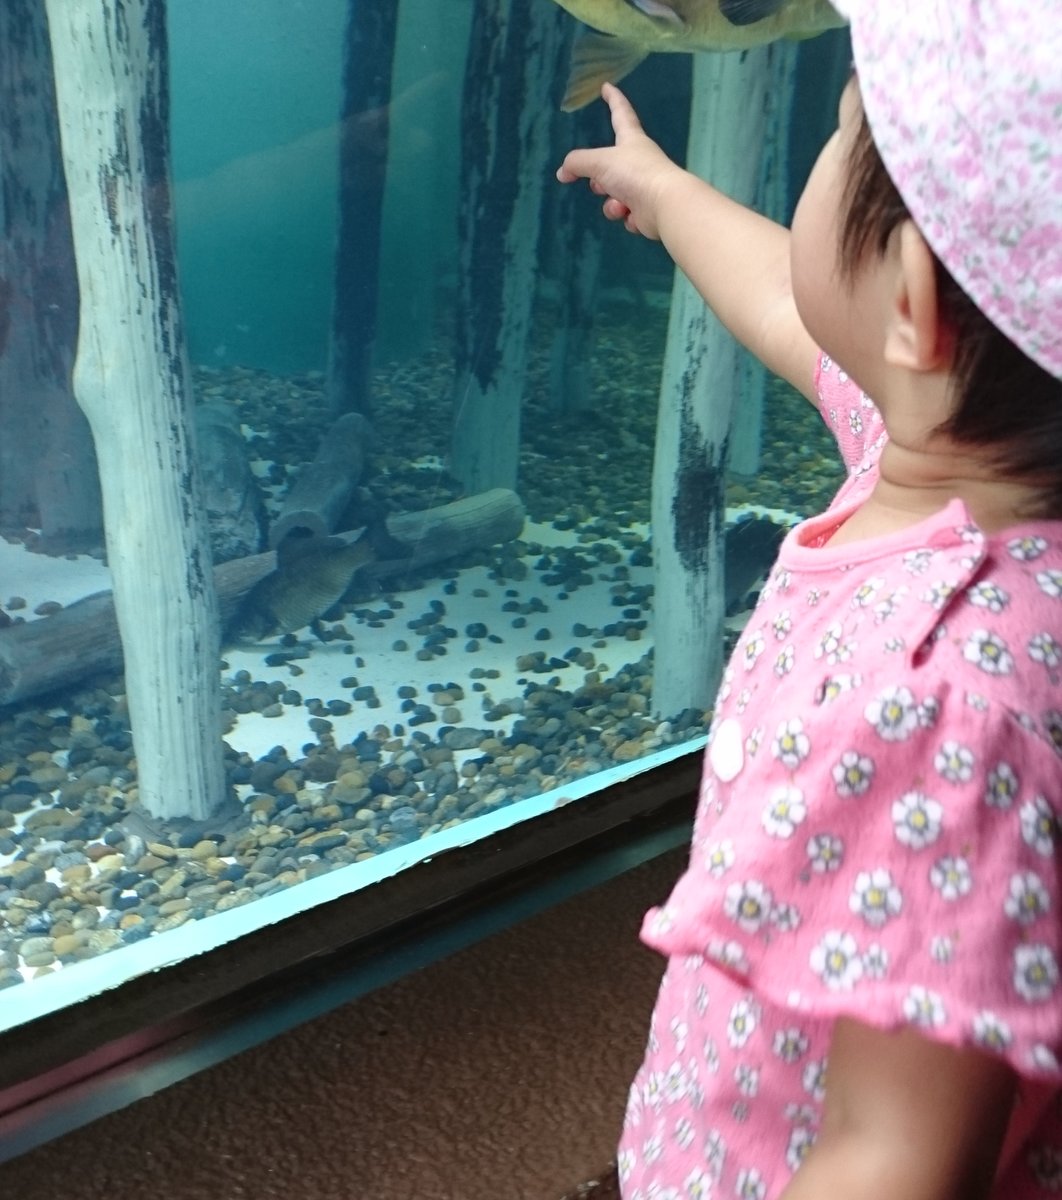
<point>81,640</point>
<point>131,379</point>
<point>324,487</point>
<point>233,501</point>
<point>435,534</point>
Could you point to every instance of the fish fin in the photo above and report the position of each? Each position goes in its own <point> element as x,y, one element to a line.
<point>660,10</point>
<point>598,59</point>
<point>748,12</point>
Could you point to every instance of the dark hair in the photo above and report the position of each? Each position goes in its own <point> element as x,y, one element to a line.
<point>1004,399</point>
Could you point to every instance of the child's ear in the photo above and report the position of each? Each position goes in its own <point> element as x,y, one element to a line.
<point>917,337</point>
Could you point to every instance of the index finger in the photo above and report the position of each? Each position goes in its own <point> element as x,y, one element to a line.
<point>624,118</point>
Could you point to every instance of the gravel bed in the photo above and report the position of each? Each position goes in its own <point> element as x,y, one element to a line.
<point>546,682</point>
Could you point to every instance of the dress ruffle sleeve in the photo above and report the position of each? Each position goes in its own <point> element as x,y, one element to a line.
<point>894,858</point>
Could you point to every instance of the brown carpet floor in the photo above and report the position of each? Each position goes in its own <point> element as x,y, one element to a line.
<point>499,1073</point>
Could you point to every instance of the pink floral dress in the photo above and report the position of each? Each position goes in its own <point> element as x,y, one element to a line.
<point>877,836</point>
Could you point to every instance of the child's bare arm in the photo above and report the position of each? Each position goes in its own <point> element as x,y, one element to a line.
<point>737,259</point>
<point>906,1116</point>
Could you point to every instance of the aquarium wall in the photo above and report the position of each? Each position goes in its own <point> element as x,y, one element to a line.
<point>341,445</point>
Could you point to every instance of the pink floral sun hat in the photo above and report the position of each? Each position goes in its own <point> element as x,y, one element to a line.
<point>964,100</point>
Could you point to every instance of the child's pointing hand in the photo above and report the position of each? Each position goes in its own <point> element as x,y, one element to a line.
<point>632,174</point>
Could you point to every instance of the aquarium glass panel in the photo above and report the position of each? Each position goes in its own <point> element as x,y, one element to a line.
<point>410,389</point>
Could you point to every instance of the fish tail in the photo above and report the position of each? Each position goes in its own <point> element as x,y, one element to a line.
<point>597,59</point>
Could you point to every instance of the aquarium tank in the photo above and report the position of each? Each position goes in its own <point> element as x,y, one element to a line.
<point>363,493</point>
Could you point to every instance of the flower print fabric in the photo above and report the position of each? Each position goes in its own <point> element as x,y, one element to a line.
<point>877,836</point>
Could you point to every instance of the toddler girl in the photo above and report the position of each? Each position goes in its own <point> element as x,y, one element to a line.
<point>874,877</point>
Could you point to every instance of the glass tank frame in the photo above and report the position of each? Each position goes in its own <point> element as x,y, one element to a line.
<point>388,355</point>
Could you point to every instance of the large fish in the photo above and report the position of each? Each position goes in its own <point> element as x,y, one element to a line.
<point>311,575</point>
<point>637,28</point>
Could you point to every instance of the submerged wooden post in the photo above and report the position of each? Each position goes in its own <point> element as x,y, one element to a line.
<point>511,84</point>
<point>697,393</point>
<point>772,199</point>
<point>131,379</point>
<point>368,56</point>
<point>578,249</point>
<point>48,477</point>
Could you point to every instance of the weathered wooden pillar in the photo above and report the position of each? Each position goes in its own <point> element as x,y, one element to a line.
<point>48,477</point>
<point>698,389</point>
<point>368,55</point>
<point>580,235</point>
<point>512,84</point>
<point>131,379</point>
<point>771,199</point>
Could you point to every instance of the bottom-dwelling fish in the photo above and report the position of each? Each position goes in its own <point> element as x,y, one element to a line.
<point>311,575</point>
<point>637,28</point>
